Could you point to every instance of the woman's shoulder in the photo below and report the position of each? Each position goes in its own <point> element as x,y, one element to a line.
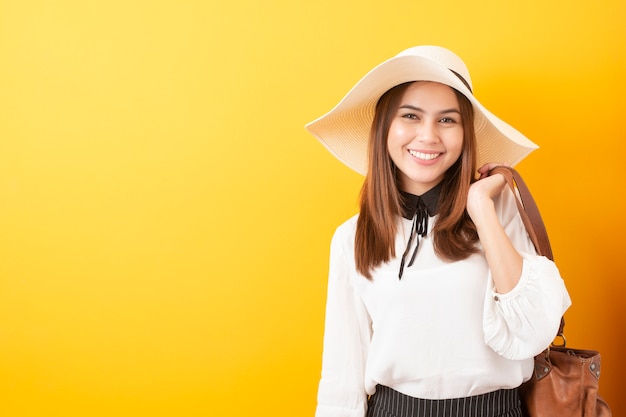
<point>345,232</point>
<point>348,227</point>
<point>342,242</point>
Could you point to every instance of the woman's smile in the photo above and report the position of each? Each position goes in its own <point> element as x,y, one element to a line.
<point>423,155</point>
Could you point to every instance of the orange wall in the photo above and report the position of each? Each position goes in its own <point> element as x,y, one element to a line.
<point>165,219</point>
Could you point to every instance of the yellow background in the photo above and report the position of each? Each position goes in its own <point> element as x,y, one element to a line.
<point>165,218</point>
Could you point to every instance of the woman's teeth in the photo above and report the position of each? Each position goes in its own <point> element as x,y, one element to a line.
<point>425,156</point>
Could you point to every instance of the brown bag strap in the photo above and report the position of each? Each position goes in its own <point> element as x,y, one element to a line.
<point>528,210</point>
<point>531,217</point>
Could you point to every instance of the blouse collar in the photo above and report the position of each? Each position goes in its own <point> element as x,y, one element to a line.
<point>418,209</point>
<point>411,202</point>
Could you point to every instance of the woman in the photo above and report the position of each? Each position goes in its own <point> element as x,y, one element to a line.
<point>437,300</point>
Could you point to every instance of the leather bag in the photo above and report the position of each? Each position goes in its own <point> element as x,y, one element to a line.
<point>565,380</point>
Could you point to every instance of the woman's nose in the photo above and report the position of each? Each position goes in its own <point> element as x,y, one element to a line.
<point>427,132</point>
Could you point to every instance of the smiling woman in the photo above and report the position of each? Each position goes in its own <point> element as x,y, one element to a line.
<point>472,270</point>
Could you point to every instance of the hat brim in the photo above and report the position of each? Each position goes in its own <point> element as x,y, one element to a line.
<point>344,130</point>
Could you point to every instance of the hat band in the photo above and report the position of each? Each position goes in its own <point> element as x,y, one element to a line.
<point>460,77</point>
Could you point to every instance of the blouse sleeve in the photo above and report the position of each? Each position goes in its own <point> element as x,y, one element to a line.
<point>347,334</point>
<point>521,323</point>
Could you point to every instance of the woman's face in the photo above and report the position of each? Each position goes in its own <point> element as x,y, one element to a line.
<point>425,136</point>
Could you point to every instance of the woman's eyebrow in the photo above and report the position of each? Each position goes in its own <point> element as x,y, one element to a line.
<point>410,107</point>
<point>418,109</point>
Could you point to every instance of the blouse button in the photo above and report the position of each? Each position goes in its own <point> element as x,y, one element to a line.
<point>496,298</point>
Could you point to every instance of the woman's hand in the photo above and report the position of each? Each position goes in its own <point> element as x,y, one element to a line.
<point>481,193</point>
<point>484,170</point>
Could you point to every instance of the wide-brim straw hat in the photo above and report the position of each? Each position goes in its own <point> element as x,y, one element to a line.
<point>344,130</point>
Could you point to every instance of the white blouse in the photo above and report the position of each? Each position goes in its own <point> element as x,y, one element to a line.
<point>441,331</point>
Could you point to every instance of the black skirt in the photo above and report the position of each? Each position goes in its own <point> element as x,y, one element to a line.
<point>387,402</point>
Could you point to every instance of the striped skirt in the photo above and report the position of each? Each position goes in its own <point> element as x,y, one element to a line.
<point>387,402</point>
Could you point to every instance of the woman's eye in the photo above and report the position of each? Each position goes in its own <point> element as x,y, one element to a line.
<point>410,116</point>
<point>447,120</point>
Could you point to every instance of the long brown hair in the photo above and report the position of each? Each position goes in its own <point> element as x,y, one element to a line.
<point>454,233</point>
